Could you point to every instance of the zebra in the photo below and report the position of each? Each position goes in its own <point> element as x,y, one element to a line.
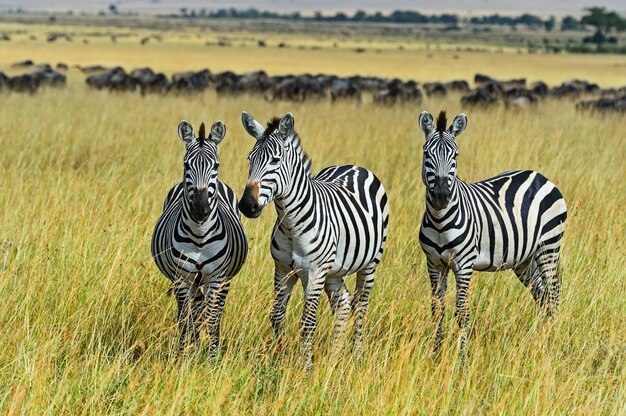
<point>329,226</point>
<point>199,241</point>
<point>514,220</point>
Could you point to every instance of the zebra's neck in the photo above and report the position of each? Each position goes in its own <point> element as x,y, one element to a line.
<point>199,229</point>
<point>299,195</point>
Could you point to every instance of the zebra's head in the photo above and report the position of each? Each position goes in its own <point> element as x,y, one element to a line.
<point>269,176</point>
<point>440,153</point>
<point>201,166</point>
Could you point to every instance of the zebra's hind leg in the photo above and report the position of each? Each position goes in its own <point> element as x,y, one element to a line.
<point>438,286</point>
<point>547,258</point>
<point>339,298</point>
<point>360,301</point>
<point>528,273</point>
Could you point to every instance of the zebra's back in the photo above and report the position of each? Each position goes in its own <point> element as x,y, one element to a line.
<point>515,212</point>
<point>357,203</point>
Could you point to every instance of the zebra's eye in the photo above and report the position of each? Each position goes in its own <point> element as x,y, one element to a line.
<point>275,160</point>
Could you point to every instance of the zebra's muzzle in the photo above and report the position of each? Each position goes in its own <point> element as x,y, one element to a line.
<point>440,194</point>
<point>249,204</point>
<point>200,207</point>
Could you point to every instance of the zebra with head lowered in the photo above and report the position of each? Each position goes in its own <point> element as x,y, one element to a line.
<point>329,226</point>
<point>513,221</point>
<point>199,242</point>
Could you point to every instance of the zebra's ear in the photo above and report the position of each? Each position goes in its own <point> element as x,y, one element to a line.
<point>185,132</point>
<point>458,124</point>
<point>253,128</point>
<point>285,126</point>
<point>218,132</point>
<point>426,122</point>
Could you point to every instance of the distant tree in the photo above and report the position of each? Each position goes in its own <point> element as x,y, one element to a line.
<point>341,17</point>
<point>377,17</point>
<point>603,22</point>
<point>530,20</point>
<point>549,24</point>
<point>318,16</point>
<point>570,23</point>
<point>183,11</point>
<point>359,16</point>
<point>113,8</point>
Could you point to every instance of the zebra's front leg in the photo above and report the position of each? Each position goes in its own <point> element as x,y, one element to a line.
<point>339,298</point>
<point>189,301</point>
<point>313,283</point>
<point>214,301</point>
<point>462,312</point>
<point>438,286</point>
<point>284,281</point>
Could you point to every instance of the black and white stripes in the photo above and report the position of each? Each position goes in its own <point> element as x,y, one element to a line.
<point>329,226</point>
<point>199,242</point>
<point>513,221</point>
<point>334,224</point>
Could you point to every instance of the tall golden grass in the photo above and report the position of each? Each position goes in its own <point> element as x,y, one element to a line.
<point>86,326</point>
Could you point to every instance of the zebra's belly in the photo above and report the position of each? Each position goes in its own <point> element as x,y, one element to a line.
<point>490,263</point>
<point>503,256</point>
<point>208,260</point>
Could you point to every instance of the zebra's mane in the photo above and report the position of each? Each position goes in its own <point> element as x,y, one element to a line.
<point>201,134</point>
<point>272,126</point>
<point>441,122</point>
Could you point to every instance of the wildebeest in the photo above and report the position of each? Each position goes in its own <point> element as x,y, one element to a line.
<point>189,82</point>
<point>4,81</point>
<point>617,104</point>
<point>398,91</point>
<point>573,88</point>
<point>257,82</point>
<point>23,64</point>
<point>226,82</point>
<point>479,97</point>
<point>24,83</point>
<point>345,88</point>
<point>457,85</point>
<point>435,89</point>
<point>149,81</point>
<point>115,79</point>
<point>49,77</point>
<point>92,69</point>
<point>539,88</point>
<point>298,88</point>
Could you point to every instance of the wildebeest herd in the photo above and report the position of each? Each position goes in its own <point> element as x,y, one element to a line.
<point>487,91</point>
<point>38,76</point>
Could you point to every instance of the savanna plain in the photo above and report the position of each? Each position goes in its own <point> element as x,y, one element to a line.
<point>87,326</point>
